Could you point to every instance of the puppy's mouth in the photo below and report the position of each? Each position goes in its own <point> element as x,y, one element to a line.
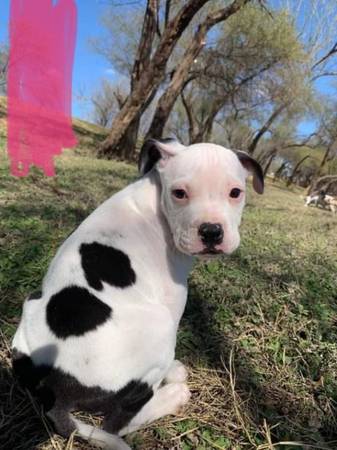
<point>209,251</point>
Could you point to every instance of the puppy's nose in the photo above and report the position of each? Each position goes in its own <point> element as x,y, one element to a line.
<point>211,233</point>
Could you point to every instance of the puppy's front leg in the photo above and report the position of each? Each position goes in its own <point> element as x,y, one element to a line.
<point>167,400</point>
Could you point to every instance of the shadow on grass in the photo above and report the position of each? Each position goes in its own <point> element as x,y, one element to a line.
<point>20,423</point>
<point>306,416</point>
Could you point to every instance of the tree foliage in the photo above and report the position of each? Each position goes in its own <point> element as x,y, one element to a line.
<point>245,80</point>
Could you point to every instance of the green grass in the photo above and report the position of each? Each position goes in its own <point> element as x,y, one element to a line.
<point>260,329</point>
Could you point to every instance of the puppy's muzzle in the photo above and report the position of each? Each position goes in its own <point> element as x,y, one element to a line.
<point>211,234</point>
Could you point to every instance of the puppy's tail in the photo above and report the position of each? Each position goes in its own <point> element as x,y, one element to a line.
<point>99,437</point>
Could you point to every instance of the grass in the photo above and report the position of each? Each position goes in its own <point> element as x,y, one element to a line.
<point>258,336</point>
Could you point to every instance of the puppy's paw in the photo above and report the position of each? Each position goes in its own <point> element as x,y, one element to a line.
<point>177,373</point>
<point>179,395</point>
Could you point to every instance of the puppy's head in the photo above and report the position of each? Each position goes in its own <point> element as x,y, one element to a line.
<point>203,192</point>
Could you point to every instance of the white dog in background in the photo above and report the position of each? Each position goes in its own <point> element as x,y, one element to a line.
<point>323,200</point>
<point>331,202</point>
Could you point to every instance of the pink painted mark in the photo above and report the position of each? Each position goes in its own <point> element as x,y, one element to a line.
<point>42,46</point>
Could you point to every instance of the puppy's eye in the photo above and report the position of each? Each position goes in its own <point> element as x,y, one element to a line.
<point>235,193</point>
<point>179,193</point>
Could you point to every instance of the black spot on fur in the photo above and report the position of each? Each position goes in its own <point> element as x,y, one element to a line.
<point>26,372</point>
<point>149,154</point>
<point>118,408</point>
<point>74,311</point>
<point>128,401</point>
<point>35,295</point>
<point>60,393</point>
<point>103,263</point>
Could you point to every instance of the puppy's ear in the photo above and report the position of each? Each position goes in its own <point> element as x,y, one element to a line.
<point>254,167</point>
<point>154,150</point>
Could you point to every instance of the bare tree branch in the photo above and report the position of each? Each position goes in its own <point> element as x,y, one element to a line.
<point>328,55</point>
<point>149,29</point>
<point>324,74</point>
<point>167,12</point>
<point>167,100</point>
<point>265,127</point>
<point>295,170</point>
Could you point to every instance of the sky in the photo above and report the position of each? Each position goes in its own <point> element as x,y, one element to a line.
<point>90,68</point>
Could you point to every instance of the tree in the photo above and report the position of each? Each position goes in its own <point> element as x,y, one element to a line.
<point>130,61</point>
<point>250,66</point>
<point>327,138</point>
<point>291,178</point>
<point>181,73</point>
<point>316,32</point>
<point>243,83</point>
<point>153,62</point>
<point>107,101</point>
<point>3,68</point>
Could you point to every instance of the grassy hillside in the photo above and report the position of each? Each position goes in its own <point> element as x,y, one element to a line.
<point>259,333</point>
<point>88,134</point>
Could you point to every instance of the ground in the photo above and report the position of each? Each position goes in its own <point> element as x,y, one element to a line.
<point>258,335</point>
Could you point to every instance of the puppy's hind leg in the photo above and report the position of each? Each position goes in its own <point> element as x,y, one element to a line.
<point>62,421</point>
<point>65,424</point>
<point>166,400</point>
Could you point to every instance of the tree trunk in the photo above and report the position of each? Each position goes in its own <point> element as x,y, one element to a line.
<point>218,104</point>
<point>269,161</point>
<point>292,176</point>
<point>265,128</point>
<point>127,145</point>
<point>168,99</point>
<point>322,164</point>
<point>279,171</point>
<point>193,125</point>
<point>126,148</point>
<point>149,28</point>
<point>202,132</point>
<point>151,75</point>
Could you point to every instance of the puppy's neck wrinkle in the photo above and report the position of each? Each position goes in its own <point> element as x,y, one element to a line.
<point>147,203</point>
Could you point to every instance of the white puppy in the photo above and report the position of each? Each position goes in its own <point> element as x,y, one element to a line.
<point>101,335</point>
<point>331,202</point>
<point>323,200</point>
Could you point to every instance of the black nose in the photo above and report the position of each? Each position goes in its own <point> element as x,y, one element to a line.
<point>211,233</point>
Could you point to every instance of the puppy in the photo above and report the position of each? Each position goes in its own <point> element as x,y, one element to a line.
<point>100,337</point>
